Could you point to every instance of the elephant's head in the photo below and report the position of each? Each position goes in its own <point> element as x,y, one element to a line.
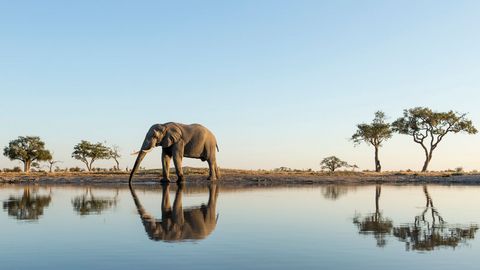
<point>158,135</point>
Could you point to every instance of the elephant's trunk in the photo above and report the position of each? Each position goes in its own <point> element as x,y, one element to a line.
<point>148,144</point>
<point>146,147</point>
<point>139,159</point>
<point>137,202</point>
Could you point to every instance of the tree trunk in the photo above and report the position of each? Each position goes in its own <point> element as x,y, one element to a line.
<point>88,165</point>
<point>378,167</point>
<point>26,166</point>
<point>427,196</point>
<point>378,190</point>
<point>428,158</point>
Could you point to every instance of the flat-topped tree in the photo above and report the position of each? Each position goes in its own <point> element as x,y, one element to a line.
<point>28,149</point>
<point>88,152</point>
<point>374,134</point>
<point>332,163</point>
<point>428,128</point>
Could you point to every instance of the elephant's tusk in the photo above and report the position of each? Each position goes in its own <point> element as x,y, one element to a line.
<point>144,151</point>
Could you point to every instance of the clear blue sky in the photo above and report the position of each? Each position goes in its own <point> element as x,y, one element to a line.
<point>281,83</point>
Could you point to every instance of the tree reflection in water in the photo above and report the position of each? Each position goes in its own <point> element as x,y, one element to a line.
<point>29,206</point>
<point>177,223</point>
<point>428,231</point>
<point>88,203</point>
<point>375,223</point>
<point>334,192</point>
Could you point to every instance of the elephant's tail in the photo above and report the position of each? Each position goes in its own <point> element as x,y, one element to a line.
<point>216,145</point>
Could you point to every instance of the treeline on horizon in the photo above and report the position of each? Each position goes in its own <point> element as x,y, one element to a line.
<point>30,150</point>
<point>426,127</point>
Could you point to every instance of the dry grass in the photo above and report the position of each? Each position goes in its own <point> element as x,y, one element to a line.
<point>204,171</point>
<point>236,176</point>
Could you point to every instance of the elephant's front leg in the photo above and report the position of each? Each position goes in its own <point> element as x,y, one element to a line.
<point>177,160</point>
<point>166,208</point>
<point>165,166</point>
<point>177,213</point>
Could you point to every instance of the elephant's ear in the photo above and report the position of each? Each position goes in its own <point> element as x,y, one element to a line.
<point>172,135</point>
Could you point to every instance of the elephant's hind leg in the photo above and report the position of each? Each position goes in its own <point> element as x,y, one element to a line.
<point>212,166</point>
<point>217,171</point>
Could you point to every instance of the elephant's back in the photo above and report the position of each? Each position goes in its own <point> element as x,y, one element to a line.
<point>196,126</point>
<point>201,133</point>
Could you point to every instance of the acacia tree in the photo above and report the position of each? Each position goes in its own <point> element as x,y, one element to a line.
<point>28,149</point>
<point>332,163</point>
<point>428,128</point>
<point>88,152</point>
<point>114,153</point>
<point>374,134</point>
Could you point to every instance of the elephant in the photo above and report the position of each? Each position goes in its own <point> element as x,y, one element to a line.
<point>178,141</point>
<point>179,224</point>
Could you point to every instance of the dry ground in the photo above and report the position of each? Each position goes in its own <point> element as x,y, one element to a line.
<point>245,177</point>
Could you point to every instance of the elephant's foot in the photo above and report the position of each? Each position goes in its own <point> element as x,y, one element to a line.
<point>212,178</point>
<point>181,179</point>
<point>165,180</point>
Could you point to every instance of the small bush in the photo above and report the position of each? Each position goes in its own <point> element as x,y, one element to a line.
<point>75,169</point>
<point>58,169</point>
<point>15,169</point>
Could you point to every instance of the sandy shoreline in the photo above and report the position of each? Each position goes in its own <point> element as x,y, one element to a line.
<point>248,178</point>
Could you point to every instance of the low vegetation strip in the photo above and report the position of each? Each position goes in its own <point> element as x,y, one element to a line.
<point>233,176</point>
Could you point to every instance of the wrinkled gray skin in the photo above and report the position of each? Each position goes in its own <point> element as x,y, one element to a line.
<point>178,141</point>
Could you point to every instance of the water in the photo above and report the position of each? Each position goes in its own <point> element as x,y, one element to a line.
<point>219,227</point>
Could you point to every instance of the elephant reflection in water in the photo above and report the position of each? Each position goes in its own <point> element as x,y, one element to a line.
<point>29,206</point>
<point>375,223</point>
<point>426,234</point>
<point>88,203</point>
<point>179,224</point>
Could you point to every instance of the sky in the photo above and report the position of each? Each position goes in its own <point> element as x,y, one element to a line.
<point>280,83</point>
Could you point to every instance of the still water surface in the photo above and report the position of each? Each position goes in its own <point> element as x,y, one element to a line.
<point>217,227</point>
